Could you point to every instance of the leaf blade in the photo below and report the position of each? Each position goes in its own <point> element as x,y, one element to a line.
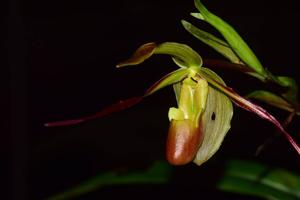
<point>272,99</point>
<point>255,179</point>
<point>219,45</point>
<point>158,173</point>
<point>238,45</point>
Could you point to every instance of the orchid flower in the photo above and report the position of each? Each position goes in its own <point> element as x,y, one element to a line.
<point>204,105</point>
<point>204,110</point>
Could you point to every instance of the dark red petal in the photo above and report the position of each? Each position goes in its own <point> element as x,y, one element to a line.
<point>169,79</point>
<point>251,107</point>
<point>119,106</point>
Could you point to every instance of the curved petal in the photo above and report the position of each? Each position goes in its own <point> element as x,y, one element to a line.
<point>119,106</point>
<point>251,107</point>
<point>169,79</point>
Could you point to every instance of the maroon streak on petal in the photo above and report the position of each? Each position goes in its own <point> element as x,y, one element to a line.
<point>251,107</point>
<point>119,106</point>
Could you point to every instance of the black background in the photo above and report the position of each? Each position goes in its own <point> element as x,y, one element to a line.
<point>62,56</point>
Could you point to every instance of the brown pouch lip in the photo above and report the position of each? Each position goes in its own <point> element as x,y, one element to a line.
<point>183,141</point>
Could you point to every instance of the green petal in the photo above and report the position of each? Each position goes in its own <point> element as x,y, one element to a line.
<point>272,99</point>
<point>216,121</point>
<point>169,79</point>
<point>219,45</point>
<point>238,45</point>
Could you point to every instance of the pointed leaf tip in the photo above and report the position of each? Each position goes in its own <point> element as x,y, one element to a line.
<point>238,45</point>
<point>197,16</point>
<point>219,45</point>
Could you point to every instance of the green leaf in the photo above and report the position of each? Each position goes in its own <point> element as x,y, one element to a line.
<point>158,173</point>
<point>216,120</point>
<point>255,179</point>
<point>272,99</point>
<point>219,45</point>
<point>292,92</point>
<point>235,41</point>
<point>198,16</point>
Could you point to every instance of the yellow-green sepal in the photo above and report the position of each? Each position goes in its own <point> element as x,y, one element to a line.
<point>183,55</point>
<point>215,119</point>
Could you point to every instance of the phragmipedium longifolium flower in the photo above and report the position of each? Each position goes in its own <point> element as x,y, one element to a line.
<point>204,110</point>
<point>201,120</point>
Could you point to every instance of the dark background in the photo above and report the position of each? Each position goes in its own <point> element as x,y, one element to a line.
<point>62,56</point>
